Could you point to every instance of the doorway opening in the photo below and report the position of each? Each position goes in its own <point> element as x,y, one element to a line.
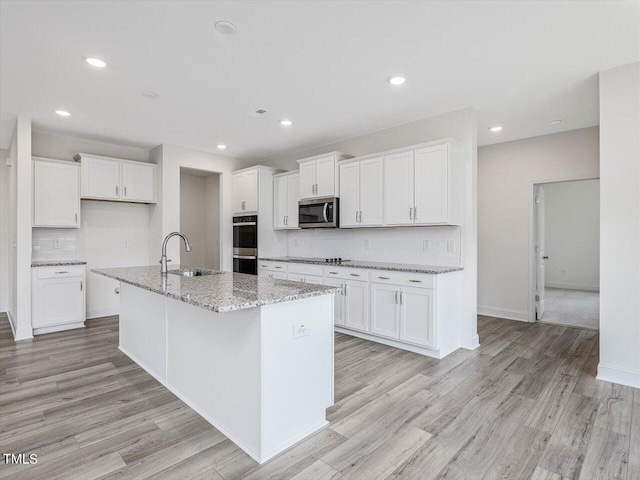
<point>566,226</point>
<point>200,218</point>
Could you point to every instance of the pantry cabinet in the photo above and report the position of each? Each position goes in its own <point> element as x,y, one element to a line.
<point>319,175</point>
<point>117,180</point>
<point>56,193</point>
<point>286,188</point>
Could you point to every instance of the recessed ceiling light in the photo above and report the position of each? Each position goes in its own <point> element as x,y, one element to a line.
<point>63,113</point>
<point>96,62</point>
<point>225,27</point>
<point>149,94</point>
<point>221,147</point>
<point>286,123</point>
<point>396,80</point>
<point>556,122</point>
<point>497,128</point>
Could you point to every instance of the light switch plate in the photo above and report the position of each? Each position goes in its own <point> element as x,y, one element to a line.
<point>426,245</point>
<point>57,243</point>
<point>367,245</point>
<point>300,330</point>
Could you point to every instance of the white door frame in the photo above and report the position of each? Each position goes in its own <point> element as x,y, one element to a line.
<point>531,245</point>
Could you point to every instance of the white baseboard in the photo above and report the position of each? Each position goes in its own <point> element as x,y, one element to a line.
<point>470,343</point>
<point>429,352</point>
<point>102,312</point>
<point>573,286</point>
<point>503,313</point>
<point>622,376</point>
<point>24,334</point>
<point>58,328</point>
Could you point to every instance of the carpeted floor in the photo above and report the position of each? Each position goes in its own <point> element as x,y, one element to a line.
<point>576,308</point>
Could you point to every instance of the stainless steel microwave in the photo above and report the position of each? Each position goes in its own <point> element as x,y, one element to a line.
<point>318,213</point>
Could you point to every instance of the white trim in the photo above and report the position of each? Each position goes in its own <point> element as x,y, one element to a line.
<point>58,328</point>
<point>622,376</point>
<point>13,329</point>
<point>103,312</point>
<point>520,315</point>
<point>470,343</point>
<point>429,352</point>
<point>19,334</point>
<point>532,231</point>
<point>573,286</point>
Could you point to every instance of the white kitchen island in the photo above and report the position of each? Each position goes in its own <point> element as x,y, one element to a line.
<point>252,355</point>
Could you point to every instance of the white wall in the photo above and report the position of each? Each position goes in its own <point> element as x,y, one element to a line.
<point>572,235</point>
<point>212,221</point>
<point>506,174</point>
<point>111,234</point>
<point>192,224</point>
<point>460,125</point>
<point>4,229</point>
<point>620,225</point>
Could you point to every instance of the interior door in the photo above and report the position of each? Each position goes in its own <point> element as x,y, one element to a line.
<point>279,202</point>
<point>307,179</point>
<point>371,191</point>
<point>326,177</point>
<point>251,191</point>
<point>293,195</point>
<point>431,185</point>
<point>540,255</point>
<point>398,189</point>
<point>349,194</point>
<point>356,305</point>
<point>57,194</point>
<point>338,300</point>
<point>385,319</point>
<point>100,178</point>
<point>138,183</point>
<point>238,192</point>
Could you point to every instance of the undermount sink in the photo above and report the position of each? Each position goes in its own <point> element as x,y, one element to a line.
<point>194,272</point>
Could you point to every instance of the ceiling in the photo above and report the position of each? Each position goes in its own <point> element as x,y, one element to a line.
<point>321,64</point>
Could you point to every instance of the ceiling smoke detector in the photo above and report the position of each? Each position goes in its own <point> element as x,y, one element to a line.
<point>259,112</point>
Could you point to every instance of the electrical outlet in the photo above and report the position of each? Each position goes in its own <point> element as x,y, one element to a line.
<point>367,245</point>
<point>300,330</point>
<point>426,245</point>
<point>296,243</point>
<point>125,244</point>
<point>451,246</point>
<point>57,243</point>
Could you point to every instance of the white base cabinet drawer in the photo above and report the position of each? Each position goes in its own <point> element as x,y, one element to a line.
<point>272,266</point>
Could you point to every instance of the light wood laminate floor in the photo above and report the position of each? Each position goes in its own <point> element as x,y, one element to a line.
<point>525,405</point>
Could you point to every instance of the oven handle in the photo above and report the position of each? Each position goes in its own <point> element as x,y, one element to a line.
<point>242,224</point>
<point>246,257</point>
<point>324,212</point>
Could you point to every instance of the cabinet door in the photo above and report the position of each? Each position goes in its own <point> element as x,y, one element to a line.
<point>356,310</point>
<point>293,195</point>
<point>338,301</point>
<point>385,313</point>
<point>307,179</point>
<point>59,301</point>
<point>432,185</point>
<point>138,183</point>
<point>315,279</point>
<point>326,177</point>
<point>279,275</point>
<point>251,186</point>
<point>238,192</point>
<point>398,189</point>
<point>416,317</point>
<point>100,178</point>
<point>349,194</point>
<point>56,194</point>
<point>279,202</point>
<point>371,191</point>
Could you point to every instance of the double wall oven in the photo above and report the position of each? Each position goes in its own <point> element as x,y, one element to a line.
<point>245,244</point>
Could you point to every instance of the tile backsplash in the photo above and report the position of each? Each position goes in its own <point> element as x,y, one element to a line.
<point>54,244</point>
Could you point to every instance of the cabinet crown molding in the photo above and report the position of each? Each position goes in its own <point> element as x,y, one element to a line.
<point>337,155</point>
<point>433,143</point>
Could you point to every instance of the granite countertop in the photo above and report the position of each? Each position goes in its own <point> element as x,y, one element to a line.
<point>397,267</point>
<point>56,263</point>
<point>223,292</point>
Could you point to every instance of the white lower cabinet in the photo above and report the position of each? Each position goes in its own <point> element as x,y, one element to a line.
<point>385,314</point>
<point>58,297</point>
<point>356,305</point>
<point>338,300</point>
<point>416,315</point>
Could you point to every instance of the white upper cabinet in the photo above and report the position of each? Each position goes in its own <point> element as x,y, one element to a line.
<point>114,179</point>
<point>361,193</point>
<point>286,189</point>
<point>245,191</point>
<point>138,182</point>
<point>398,189</point>
<point>56,193</point>
<point>423,186</point>
<point>319,175</point>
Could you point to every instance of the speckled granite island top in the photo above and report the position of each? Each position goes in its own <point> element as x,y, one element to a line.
<point>223,292</point>
<point>57,263</point>
<point>397,267</point>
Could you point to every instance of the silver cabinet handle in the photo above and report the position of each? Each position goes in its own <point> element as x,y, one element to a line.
<point>80,285</point>
<point>76,218</point>
<point>410,213</point>
<point>125,191</point>
<point>277,266</point>
<point>116,190</point>
<point>415,213</point>
<point>344,286</point>
<point>356,216</point>
<point>401,298</point>
<point>360,216</point>
<point>354,274</point>
<point>396,296</point>
<point>333,273</point>
<point>384,278</point>
<point>416,281</point>
<point>60,273</point>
